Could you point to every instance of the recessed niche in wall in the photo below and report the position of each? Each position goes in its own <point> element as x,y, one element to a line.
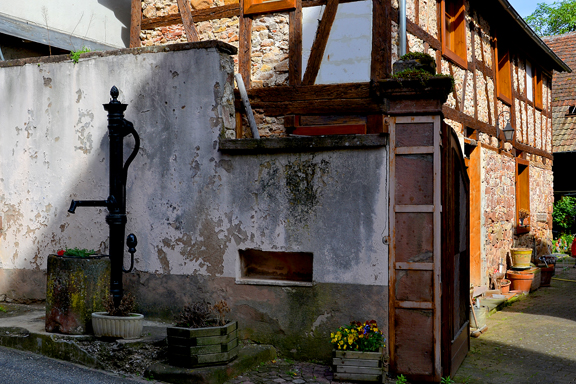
<point>282,268</point>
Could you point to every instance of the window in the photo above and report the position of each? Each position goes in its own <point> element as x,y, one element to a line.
<point>503,73</point>
<point>522,195</point>
<point>534,84</point>
<point>267,267</point>
<point>265,6</point>
<point>454,31</point>
<point>529,81</point>
<point>538,88</point>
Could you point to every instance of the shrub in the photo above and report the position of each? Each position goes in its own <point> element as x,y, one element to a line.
<point>563,214</point>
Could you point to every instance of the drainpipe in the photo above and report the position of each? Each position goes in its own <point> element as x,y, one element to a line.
<point>1,55</point>
<point>402,27</point>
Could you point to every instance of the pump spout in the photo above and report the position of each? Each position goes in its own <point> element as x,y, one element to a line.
<point>109,203</point>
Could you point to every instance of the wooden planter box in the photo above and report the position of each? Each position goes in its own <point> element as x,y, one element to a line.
<point>198,347</point>
<point>358,366</point>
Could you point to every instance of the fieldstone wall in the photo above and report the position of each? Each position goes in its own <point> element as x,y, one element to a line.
<point>498,207</point>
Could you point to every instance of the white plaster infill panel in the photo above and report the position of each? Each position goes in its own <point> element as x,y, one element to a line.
<point>348,52</point>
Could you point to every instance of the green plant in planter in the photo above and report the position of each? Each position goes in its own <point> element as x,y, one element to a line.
<point>364,337</point>
<point>424,58</point>
<point>76,252</point>
<point>202,314</point>
<point>419,74</point>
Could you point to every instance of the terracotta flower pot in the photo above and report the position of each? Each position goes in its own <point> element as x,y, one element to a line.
<point>520,280</point>
<point>505,286</point>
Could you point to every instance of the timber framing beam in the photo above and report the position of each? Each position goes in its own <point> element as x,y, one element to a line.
<point>188,20</point>
<point>353,98</point>
<point>225,11</point>
<point>469,121</point>
<point>320,41</point>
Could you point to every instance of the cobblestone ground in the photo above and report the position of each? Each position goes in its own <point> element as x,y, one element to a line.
<point>531,341</point>
<point>288,372</point>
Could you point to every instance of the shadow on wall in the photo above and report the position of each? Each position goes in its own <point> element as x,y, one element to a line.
<point>62,149</point>
<point>122,11</point>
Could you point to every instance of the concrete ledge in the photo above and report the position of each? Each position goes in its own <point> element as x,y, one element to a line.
<point>219,45</point>
<point>302,143</point>
<point>248,357</point>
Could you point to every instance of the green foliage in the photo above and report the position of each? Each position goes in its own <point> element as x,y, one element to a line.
<point>358,337</point>
<point>553,19</point>
<point>76,252</point>
<point>563,214</point>
<point>401,380</point>
<point>75,55</point>
<point>417,56</point>
<point>2,309</point>
<point>446,380</point>
<point>418,74</point>
<point>563,243</point>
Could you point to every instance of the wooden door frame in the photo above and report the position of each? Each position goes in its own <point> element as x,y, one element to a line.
<point>435,265</point>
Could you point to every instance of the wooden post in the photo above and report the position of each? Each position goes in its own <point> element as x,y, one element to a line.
<point>187,20</point>
<point>135,23</point>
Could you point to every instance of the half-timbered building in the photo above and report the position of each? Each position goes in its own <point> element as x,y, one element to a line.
<point>455,185</point>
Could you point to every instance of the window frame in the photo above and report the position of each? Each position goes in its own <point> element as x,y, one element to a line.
<point>458,36</point>
<point>252,7</point>
<point>522,192</point>
<point>505,70</point>
<point>537,82</point>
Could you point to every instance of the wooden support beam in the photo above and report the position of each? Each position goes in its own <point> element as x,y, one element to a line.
<point>381,62</point>
<point>469,121</point>
<point>320,41</point>
<point>135,23</point>
<point>188,20</point>
<point>295,54</point>
<point>225,11</point>
<point>245,48</point>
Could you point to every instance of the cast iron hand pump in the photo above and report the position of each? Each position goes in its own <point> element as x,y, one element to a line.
<point>118,128</point>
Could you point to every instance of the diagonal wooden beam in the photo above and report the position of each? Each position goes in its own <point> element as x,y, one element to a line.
<point>187,20</point>
<point>135,23</point>
<point>320,41</point>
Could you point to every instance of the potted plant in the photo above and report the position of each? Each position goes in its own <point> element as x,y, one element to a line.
<point>358,352</point>
<point>202,336</point>
<point>118,321</point>
<point>76,280</point>
<point>524,217</point>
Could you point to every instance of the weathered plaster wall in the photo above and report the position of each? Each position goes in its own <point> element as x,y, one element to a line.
<point>191,206</point>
